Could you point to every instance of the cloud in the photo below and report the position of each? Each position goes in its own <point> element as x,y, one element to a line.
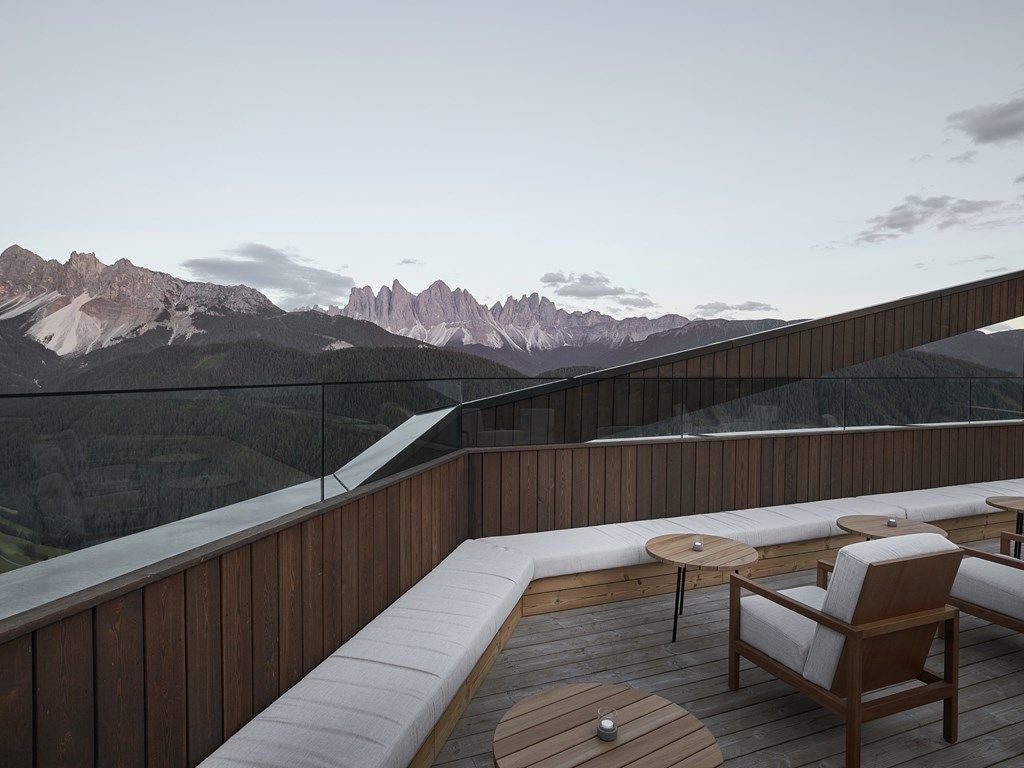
<point>409,262</point>
<point>554,278</point>
<point>1019,179</point>
<point>920,158</point>
<point>991,123</point>
<point>718,308</point>
<point>972,259</point>
<point>290,278</point>
<point>964,158</point>
<point>997,270</point>
<point>583,285</point>
<point>939,212</point>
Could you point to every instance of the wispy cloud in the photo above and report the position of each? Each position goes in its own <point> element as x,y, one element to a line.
<point>583,285</point>
<point>997,123</point>
<point>964,158</point>
<point>997,270</point>
<point>920,158</point>
<point>973,259</point>
<point>409,262</point>
<point>1019,179</point>
<point>719,308</point>
<point>939,212</point>
<point>290,279</point>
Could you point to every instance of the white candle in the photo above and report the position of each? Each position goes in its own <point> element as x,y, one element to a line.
<point>607,724</point>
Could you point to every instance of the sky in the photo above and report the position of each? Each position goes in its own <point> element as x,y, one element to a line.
<point>735,159</point>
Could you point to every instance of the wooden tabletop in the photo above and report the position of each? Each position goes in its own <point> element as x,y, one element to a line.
<point>1007,503</point>
<point>719,552</point>
<point>557,728</point>
<point>875,527</point>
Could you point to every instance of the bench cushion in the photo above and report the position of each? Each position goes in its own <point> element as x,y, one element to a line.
<point>932,504</point>
<point>997,587</point>
<point>844,592</point>
<point>372,702</point>
<point>778,632</point>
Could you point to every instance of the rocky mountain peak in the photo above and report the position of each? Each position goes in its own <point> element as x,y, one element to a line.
<point>445,316</point>
<point>83,304</point>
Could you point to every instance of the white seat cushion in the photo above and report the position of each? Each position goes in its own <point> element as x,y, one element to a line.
<point>997,587</point>
<point>777,631</point>
<point>932,504</point>
<point>844,591</point>
<point>374,700</point>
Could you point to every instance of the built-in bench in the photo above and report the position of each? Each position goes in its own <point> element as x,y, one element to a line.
<point>389,697</point>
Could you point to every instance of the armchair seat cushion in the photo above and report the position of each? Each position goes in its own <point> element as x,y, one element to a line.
<point>997,587</point>
<point>778,632</point>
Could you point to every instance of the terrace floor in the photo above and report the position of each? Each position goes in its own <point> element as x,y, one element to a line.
<point>765,723</point>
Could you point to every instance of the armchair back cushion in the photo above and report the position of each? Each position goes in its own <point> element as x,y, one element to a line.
<point>930,557</point>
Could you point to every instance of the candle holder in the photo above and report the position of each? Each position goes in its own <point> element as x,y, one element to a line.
<point>891,522</point>
<point>607,729</point>
<point>698,545</point>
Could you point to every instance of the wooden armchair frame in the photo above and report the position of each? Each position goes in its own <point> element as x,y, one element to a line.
<point>1004,558</point>
<point>877,652</point>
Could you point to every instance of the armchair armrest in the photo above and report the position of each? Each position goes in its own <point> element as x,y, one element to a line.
<point>1002,559</point>
<point>737,582</point>
<point>825,567</point>
<point>1005,537</point>
<point>911,620</point>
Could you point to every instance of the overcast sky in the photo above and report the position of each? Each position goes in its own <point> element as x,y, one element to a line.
<point>734,158</point>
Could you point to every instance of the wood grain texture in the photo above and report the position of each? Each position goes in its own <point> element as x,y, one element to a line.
<point>613,482</point>
<point>166,714</point>
<point>64,692</point>
<point>204,697</point>
<point>16,701</point>
<point>120,681</point>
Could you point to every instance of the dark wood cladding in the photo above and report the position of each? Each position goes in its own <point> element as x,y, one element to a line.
<point>618,482</point>
<point>162,674</point>
<point>604,404</point>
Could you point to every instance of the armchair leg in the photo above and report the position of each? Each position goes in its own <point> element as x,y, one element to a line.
<point>951,670</point>
<point>734,634</point>
<point>853,743</point>
<point>734,669</point>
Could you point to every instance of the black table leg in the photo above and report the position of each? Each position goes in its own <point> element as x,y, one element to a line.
<point>1020,531</point>
<point>677,608</point>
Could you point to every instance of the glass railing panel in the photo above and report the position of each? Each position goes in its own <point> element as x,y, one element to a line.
<point>903,401</point>
<point>996,399</point>
<point>78,470</point>
<point>767,405</point>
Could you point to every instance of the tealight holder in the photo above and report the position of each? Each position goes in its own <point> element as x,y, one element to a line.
<point>891,522</point>
<point>698,545</point>
<point>607,729</point>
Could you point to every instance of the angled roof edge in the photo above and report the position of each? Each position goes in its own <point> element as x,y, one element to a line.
<point>718,346</point>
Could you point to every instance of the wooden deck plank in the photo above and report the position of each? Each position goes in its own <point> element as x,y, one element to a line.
<point>765,722</point>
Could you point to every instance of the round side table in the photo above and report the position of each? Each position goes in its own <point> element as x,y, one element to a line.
<point>719,554</point>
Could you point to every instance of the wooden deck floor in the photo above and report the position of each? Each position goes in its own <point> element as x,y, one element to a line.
<point>765,723</point>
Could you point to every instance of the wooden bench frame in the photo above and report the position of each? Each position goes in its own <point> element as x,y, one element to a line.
<point>877,652</point>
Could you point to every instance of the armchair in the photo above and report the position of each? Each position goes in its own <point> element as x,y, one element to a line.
<point>991,586</point>
<point>871,628</point>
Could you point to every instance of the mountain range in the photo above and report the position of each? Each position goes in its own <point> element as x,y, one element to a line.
<point>58,319</point>
<point>531,333</point>
<point>85,324</point>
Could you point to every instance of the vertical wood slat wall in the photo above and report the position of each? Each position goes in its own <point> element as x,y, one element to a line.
<point>163,674</point>
<point>639,395</point>
<point>526,489</point>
